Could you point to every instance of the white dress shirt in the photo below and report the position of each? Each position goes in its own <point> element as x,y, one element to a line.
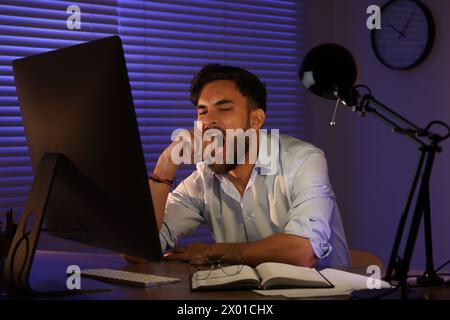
<point>296,198</point>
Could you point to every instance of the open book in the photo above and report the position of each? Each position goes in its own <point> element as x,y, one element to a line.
<point>268,275</point>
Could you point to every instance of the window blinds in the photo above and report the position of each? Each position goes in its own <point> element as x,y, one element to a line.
<point>165,43</point>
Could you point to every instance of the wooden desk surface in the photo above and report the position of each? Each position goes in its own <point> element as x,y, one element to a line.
<point>53,265</point>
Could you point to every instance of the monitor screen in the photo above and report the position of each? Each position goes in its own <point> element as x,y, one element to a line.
<point>76,103</point>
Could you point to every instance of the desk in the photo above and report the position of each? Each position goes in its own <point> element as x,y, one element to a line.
<point>53,265</point>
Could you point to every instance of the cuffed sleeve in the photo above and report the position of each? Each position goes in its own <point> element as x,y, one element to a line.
<point>312,205</point>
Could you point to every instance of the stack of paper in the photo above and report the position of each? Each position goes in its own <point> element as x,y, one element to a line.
<point>344,283</point>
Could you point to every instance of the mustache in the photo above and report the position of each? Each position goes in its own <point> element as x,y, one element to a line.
<point>217,128</point>
<point>214,137</point>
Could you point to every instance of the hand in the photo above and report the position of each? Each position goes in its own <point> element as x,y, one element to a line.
<point>407,22</point>
<point>174,153</point>
<point>165,166</point>
<point>195,253</point>
<point>133,260</point>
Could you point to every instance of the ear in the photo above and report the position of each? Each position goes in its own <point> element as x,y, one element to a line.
<point>257,118</point>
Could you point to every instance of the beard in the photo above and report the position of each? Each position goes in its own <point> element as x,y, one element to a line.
<point>224,168</point>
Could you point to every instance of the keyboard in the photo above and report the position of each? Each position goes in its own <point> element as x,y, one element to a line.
<point>134,279</point>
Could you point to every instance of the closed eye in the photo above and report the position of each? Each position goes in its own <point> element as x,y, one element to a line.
<point>201,110</point>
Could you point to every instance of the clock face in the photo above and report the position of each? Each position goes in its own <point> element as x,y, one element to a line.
<point>406,35</point>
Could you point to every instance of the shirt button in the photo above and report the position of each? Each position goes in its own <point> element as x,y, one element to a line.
<point>249,215</point>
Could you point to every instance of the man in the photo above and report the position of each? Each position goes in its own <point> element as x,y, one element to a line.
<point>289,216</point>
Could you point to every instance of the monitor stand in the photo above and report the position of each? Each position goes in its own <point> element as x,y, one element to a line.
<point>17,269</point>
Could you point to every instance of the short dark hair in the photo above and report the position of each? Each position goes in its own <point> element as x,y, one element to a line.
<point>248,84</point>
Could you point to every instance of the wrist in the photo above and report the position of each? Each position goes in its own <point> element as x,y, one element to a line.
<point>164,167</point>
<point>218,250</point>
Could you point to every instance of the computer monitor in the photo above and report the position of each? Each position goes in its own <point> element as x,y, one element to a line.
<point>90,181</point>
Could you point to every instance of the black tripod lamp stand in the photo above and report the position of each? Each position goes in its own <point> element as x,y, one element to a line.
<point>330,71</point>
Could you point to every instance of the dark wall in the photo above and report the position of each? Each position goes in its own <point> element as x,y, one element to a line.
<point>372,168</point>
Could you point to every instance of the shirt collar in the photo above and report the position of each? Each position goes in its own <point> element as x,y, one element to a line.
<point>267,163</point>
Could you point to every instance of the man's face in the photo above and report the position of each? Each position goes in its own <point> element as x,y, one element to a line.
<point>222,106</point>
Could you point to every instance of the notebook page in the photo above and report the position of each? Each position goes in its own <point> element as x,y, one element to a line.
<point>344,283</point>
<point>271,270</point>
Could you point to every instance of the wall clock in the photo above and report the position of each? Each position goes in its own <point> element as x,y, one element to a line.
<point>406,36</point>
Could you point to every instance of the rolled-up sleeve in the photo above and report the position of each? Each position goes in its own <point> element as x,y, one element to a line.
<point>313,203</point>
<point>182,212</point>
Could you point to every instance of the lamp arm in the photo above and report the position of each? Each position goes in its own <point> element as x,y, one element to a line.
<point>394,114</point>
<point>410,133</point>
<point>399,124</point>
<point>368,104</point>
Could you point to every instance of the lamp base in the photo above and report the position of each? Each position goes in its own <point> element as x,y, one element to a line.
<point>429,279</point>
<point>384,294</point>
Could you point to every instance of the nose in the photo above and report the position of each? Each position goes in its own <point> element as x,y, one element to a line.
<point>209,120</point>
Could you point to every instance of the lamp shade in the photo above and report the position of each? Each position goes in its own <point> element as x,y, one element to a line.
<point>329,71</point>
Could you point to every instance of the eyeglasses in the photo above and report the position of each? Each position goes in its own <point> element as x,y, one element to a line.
<point>227,265</point>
